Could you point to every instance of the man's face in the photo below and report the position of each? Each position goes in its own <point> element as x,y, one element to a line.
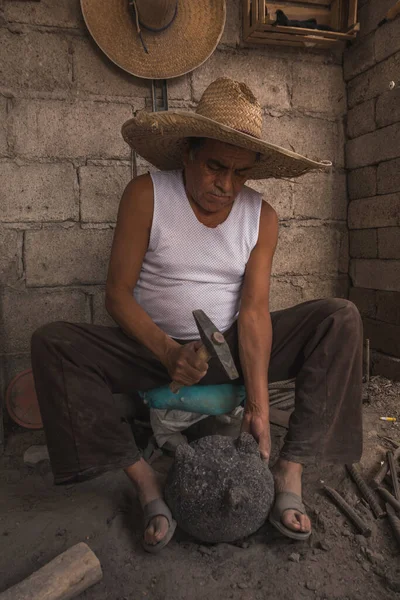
<point>215,173</point>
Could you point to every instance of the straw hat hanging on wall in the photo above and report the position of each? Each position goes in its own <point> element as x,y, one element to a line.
<point>156,39</point>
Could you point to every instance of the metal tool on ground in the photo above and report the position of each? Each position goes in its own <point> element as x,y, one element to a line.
<point>368,494</point>
<point>387,496</point>
<point>214,344</point>
<point>63,578</point>
<point>393,474</point>
<point>350,513</point>
<point>381,474</point>
<point>394,522</point>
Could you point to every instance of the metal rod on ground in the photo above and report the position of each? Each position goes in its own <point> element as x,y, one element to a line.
<point>393,473</point>
<point>381,474</point>
<point>348,511</point>
<point>389,498</point>
<point>366,492</point>
<point>394,522</point>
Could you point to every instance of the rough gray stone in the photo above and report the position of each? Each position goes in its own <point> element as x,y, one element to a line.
<point>219,489</point>
<point>388,109</point>
<point>264,75</point>
<point>307,250</point>
<point>35,61</point>
<point>25,311</point>
<point>362,183</point>
<point>379,211</point>
<point>320,196</point>
<point>101,188</point>
<point>45,12</point>
<point>278,193</point>
<point>387,366</point>
<point>374,147</point>
<point>388,177</point>
<point>35,454</point>
<point>51,128</point>
<point>387,40</point>
<point>389,242</point>
<point>359,57</point>
<point>388,307</point>
<point>67,256</point>
<point>327,94</point>
<point>363,243</point>
<point>365,300</point>
<point>373,82</point>
<point>38,192</point>
<point>10,256</point>
<point>361,119</point>
<point>376,274</point>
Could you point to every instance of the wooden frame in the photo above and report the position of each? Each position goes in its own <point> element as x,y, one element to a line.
<point>341,15</point>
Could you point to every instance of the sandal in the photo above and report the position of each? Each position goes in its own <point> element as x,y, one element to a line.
<point>288,501</point>
<point>158,508</point>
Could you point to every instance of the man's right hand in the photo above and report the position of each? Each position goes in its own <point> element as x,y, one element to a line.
<point>184,364</point>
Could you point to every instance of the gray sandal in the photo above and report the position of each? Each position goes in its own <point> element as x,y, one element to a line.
<point>158,508</point>
<point>288,501</point>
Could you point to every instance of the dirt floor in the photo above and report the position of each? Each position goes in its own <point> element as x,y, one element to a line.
<point>39,521</point>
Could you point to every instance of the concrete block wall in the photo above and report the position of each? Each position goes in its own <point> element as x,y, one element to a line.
<point>64,164</point>
<point>373,160</point>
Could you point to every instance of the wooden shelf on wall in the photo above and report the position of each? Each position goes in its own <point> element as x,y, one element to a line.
<point>341,15</point>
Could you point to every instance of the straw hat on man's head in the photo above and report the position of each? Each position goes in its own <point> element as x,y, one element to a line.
<point>156,39</point>
<point>229,112</point>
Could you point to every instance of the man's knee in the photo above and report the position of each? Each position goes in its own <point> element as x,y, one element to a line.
<point>347,316</point>
<point>46,333</point>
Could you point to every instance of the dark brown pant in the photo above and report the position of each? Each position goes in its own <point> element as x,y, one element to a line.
<point>78,367</point>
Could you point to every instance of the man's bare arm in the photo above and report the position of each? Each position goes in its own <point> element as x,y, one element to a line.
<point>255,329</point>
<point>131,240</point>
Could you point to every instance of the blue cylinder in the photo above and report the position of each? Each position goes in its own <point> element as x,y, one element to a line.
<point>202,399</point>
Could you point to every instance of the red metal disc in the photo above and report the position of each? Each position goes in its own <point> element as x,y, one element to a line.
<point>22,403</point>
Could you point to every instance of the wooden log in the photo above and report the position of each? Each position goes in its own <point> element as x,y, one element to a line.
<point>66,576</point>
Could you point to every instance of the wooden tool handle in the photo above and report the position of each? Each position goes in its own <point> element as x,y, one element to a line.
<point>202,352</point>
<point>66,576</point>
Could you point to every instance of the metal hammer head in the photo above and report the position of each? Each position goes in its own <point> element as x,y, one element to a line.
<point>215,343</point>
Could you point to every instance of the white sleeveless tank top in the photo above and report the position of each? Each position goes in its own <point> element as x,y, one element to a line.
<point>189,266</point>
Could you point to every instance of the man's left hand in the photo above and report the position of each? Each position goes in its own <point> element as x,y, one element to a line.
<point>257,424</point>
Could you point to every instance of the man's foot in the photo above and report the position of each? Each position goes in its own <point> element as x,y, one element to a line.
<point>287,477</point>
<point>148,486</point>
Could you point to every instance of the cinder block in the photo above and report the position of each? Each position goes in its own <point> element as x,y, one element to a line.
<point>389,242</point>
<point>361,119</point>
<point>320,196</point>
<point>373,82</point>
<point>100,315</point>
<point>365,300</point>
<point>386,366</point>
<point>231,35</point>
<point>278,193</point>
<point>361,183</point>
<point>376,274</point>
<point>307,250</point>
<point>363,243</point>
<point>388,305</point>
<point>25,311</point>
<point>315,287</point>
<point>371,13</point>
<point>344,252</point>
<point>374,147</point>
<point>67,256</point>
<point>379,211</point>
<point>284,293</point>
<point>35,61</point>
<point>388,109</point>
<point>314,138</point>
<point>384,337</point>
<point>38,192</point>
<point>389,176</point>
<point>359,57</point>
<point>267,77</point>
<point>45,12</point>
<point>101,188</point>
<point>320,90</point>
<point>47,128</point>
<point>10,256</point>
<point>387,40</point>
<point>3,127</point>
<point>96,74</point>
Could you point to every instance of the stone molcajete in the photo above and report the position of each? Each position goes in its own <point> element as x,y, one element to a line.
<point>219,489</point>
